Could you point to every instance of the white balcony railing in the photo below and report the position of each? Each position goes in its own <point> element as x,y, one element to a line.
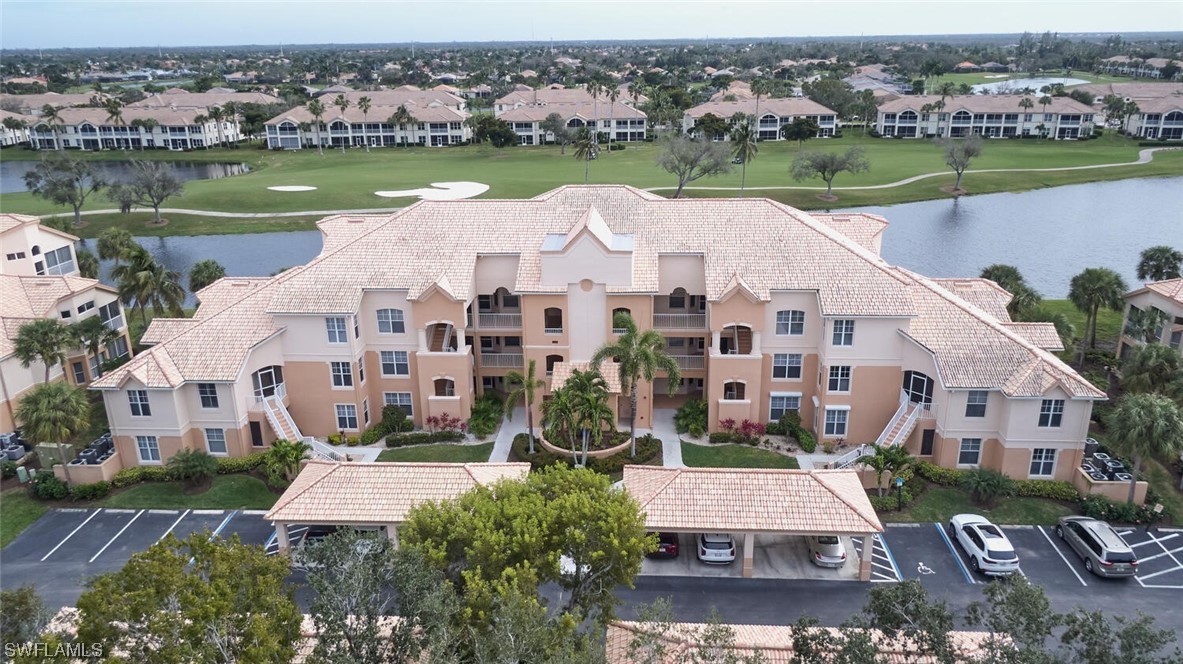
<point>552,330</point>
<point>499,321</point>
<point>686,362</point>
<point>280,392</point>
<point>679,321</point>
<point>619,330</point>
<point>495,360</point>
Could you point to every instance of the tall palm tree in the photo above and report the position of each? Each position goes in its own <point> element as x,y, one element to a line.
<point>317,109</point>
<point>1145,324</point>
<point>1092,289</point>
<point>204,273</point>
<point>1044,102</point>
<point>147,125</point>
<point>613,93</point>
<point>230,112</point>
<point>144,282</point>
<point>1026,104</point>
<point>1144,426</point>
<point>759,87</point>
<point>1160,263</point>
<point>1007,276</point>
<point>342,104</point>
<point>945,90</point>
<point>585,149</point>
<point>402,118</point>
<point>1153,368</point>
<point>595,88</point>
<point>744,148</point>
<point>44,340</point>
<point>559,417</point>
<point>114,110</point>
<point>640,355</point>
<point>524,386</point>
<point>589,393</point>
<point>88,263</point>
<point>53,412</point>
<point>116,244</point>
<point>53,117</point>
<point>217,115</point>
<point>201,119</point>
<point>92,334</point>
<point>363,105</point>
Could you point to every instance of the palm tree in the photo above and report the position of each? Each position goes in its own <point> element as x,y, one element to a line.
<point>1160,263</point>
<point>230,112</point>
<point>613,93</point>
<point>401,117</point>
<point>760,87</point>
<point>204,273</point>
<point>1044,102</point>
<point>146,124</point>
<point>589,394</point>
<point>194,467</point>
<point>284,457</point>
<point>1024,299</point>
<point>44,340</point>
<point>342,103</point>
<point>1144,426</point>
<point>93,334</point>
<point>1092,289</point>
<point>116,244</point>
<point>201,119</point>
<point>114,110</point>
<point>217,115</point>
<point>1153,368</point>
<point>88,264</point>
<point>524,387</point>
<point>744,148</point>
<point>1026,104</point>
<point>144,282</point>
<point>1145,324</point>
<point>53,412</point>
<point>1007,276</point>
<point>559,417</point>
<point>52,116</point>
<point>585,149</point>
<point>363,105</point>
<point>640,355</point>
<point>317,109</point>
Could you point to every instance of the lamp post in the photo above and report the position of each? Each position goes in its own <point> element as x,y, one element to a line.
<point>899,494</point>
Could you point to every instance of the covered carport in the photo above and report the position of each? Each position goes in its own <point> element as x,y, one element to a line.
<point>376,495</point>
<point>748,502</point>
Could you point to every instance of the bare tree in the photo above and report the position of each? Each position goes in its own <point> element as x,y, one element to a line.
<point>692,158</point>
<point>958,154</point>
<point>826,165</point>
<point>152,183</point>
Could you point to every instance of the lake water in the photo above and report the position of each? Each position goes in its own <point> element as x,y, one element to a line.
<point>1013,85</point>
<point>12,172</point>
<point>1049,234</point>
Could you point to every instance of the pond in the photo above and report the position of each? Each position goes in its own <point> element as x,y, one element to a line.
<point>1049,234</point>
<point>1014,85</point>
<point>12,172</point>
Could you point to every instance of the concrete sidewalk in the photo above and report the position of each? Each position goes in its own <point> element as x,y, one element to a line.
<point>671,442</point>
<point>509,429</point>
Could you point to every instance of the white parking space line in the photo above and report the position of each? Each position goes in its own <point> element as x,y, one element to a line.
<point>1060,554</point>
<point>254,512</point>
<point>1165,552</point>
<point>1152,540</point>
<point>170,528</point>
<point>1142,577</point>
<point>209,512</point>
<point>164,511</point>
<point>51,551</point>
<point>112,540</point>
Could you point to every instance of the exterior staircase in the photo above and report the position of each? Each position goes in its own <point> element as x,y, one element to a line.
<point>285,427</point>
<point>901,425</point>
<point>441,339</point>
<point>743,340</point>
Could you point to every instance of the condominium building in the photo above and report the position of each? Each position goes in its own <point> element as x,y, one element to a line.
<point>19,132</point>
<point>1158,118</point>
<point>39,279</point>
<point>992,116</point>
<point>96,129</point>
<point>772,115</point>
<point>1164,297</point>
<point>1136,67</point>
<point>765,308</point>
<point>436,119</point>
<point>527,108</point>
<point>177,98</point>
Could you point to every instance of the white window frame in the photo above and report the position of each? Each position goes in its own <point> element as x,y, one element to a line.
<point>826,423</point>
<point>1054,410</point>
<point>1038,456</point>
<point>396,398</point>
<point>969,401</point>
<point>394,360</point>
<point>343,410</point>
<point>843,332</point>
<point>341,380</point>
<point>785,362</point>
<point>961,450</point>
<point>209,444</point>
<point>365,411</point>
<point>393,320</point>
<point>792,318</point>
<point>138,400</point>
<point>202,397</point>
<point>335,329</point>
<point>830,378</point>
<point>150,444</point>
<point>782,395</point>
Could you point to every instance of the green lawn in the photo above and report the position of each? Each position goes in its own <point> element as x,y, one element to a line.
<point>17,512</point>
<point>940,503</point>
<point>1108,321</point>
<point>974,78</point>
<point>226,492</point>
<point>444,453</point>
<point>348,181</point>
<point>733,456</point>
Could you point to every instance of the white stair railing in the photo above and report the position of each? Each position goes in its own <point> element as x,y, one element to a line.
<point>322,451</point>
<point>909,424</point>
<point>899,413</point>
<point>852,457</point>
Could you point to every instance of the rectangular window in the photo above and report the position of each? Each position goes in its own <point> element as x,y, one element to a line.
<point>786,365</point>
<point>394,363</point>
<point>148,449</point>
<point>1043,462</point>
<point>59,261</point>
<point>356,327</point>
<point>66,313</point>
<point>117,348</point>
<point>400,399</point>
<point>215,441</point>
<point>843,333</point>
<point>1051,411</point>
<point>677,302</point>
<point>1176,339</point>
<point>836,422</point>
<point>790,322</point>
<point>390,321</point>
<point>342,374</point>
<point>79,373</point>
<point>138,399</point>
<point>779,404</point>
<point>94,365</point>
<point>209,395</point>
<point>335,325</point>
<point>970,452</point>
<point>361,371</point>
<point>975,403</point>
<point>109,313</point>
<point>839,378</point>
<point>346,416</point>
<point>85,307</point>
<point>365,410</point>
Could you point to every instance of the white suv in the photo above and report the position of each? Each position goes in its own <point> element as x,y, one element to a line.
<point>989,550</point>
<point>716,548</point>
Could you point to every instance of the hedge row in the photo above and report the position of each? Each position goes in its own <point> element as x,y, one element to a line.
<point>423,438</point>
<point>1051,489</point>
<point>226,466</point>
<point>1100,507</point>
<point>648,448</point>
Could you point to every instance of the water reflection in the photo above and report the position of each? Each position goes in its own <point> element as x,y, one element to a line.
<point>12,173</point>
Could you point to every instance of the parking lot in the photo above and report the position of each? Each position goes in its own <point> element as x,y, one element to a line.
<point>774,557</point>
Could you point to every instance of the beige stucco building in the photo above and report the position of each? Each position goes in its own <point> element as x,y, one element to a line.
<point>39,279</point>
<point>764,307</point>
<point>1163,296</point>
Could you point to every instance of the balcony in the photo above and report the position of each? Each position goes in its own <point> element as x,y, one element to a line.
<point>491,321</point>
<point>552,330</point>
<point>690,362</point>
<point>680,321</point>
<point>502,360</point>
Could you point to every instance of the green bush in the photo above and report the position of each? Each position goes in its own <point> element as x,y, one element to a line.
<point>790,423</point>
<point>138,474</point>
<point>372,435</point>
<point>774,429</point>
<point>487,413</point>
<point>807,441</point>
<point>692,413</point>
<point>192,466</point>
<point>229,465</point>
<point>394,420</point>
<point>891,502</point>
<point>1051,489</point>
<point>423,438</point>
<point>7,470</point>
<point>90,491</point>
<point>939,475</point>
<point>696,430</point>
<point>721,437</point>
<point>46,486</point>
<point>648,448</point>
<point>1100,507</point>
<point>985,485</point>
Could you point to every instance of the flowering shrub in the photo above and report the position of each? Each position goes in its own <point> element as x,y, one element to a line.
<point>445,423</point>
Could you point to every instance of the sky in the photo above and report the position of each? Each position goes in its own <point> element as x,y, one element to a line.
<point>112,23</point>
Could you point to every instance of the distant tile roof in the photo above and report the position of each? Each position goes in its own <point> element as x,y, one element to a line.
<point>780,106</point>
<point>982,293</point>
<point>378,113</point>
<point>584,110</point>
<point>752,500</point>
<point>202,100</point>
<point>1133,90</point>
<point>164,115</point>
<point>9,221</point>
<point>25,299</point>
<point>1170,288</point>
<point>860,227</point>
<point>985,104</point>
<point>380,493</point>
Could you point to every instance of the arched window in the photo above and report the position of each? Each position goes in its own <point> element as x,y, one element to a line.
<point>616,312</point>
<point>36,251</point>
<point>551,361</point>
<point>1173,116</point>
<point>734,390</point>
<point>552,320</point>
<point>678,298</point>
<point>445,387</point>
<point>908,116</point>
<point>337,125</point>
<point>390,321</point>
<point>736,340</point>
<point>267,382</point>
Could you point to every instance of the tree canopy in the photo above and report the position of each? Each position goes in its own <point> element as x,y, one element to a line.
<point>64,180</point>
<point>827,165</point>
<point>692,158</point>
<point>959,153</point>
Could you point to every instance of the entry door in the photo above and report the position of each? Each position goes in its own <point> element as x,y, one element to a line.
<point>926,441</point>
<point>256,434</point>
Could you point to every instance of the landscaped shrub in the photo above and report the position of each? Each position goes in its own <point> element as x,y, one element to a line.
<point>90,491</point>
<point>721,437</point>
<point>648,448</point>
<point>891,501</point>
<point>939,475</point>
<point>487,413</point>
<point>1100,507</point>
<point>423,438</point>
<point>985,486</point>
<point>372,435</point>
<point>693,412</point>
<point>229,465</point>
<point>7,470</point>
<point>137,474</point>
<point>1052,489</point>
<point>774,429</point>
<point>445,422</point>
<point>46,486</point>
<point>807,441</point>
<point>194,467</point>
<point>336,439</point>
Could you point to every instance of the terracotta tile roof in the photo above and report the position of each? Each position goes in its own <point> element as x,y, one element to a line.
<point>380,493</point>
<point>982,293</point>
<point>10,221</point>
<point>161,329</point>
<point>609,370</point>
<point>586,110</point>
<point>1160,105</point>
<point>986,104</point>
<point>774,643</point>
<point>1170,288</point>
<point>202,100</point>
<point>860,227</point>
<point>224,292</point>
<point>98,116</point>
<point>1136,91</point>
<point>780,106</point>
<point>25,299</point>
<point>32,104</point>
<point>752,500</point>
<point>378,113</point>
<point>1043,335</point>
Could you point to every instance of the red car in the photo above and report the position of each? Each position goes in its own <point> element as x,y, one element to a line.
<point>667,546</point>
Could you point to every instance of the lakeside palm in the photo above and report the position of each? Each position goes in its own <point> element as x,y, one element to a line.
<point>1152,368</point>
<point>1160,263</point>
<point>144,282</point>
<point>1144,426</point>
<point>640,356</point>
<point>363,105</point>
<point>525,387</point>
<point>52,116</point>
<point>116,244</point>
<point>204,273</point>
<point>1092,289</point>
<point>44,340</point>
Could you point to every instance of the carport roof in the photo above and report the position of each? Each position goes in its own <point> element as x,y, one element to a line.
<point>752,500</point>
<point>380,493</point>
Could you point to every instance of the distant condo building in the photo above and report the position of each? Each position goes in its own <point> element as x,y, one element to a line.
<point>772,115</point>
<point>991,116</point>
<point>525,109</point>
<point>433,118</point>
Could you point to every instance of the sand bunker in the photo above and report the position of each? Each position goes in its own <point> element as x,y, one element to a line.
<point>440,191</point>
<point>294,187</point>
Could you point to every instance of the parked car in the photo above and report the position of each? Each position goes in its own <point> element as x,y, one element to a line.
<point>989,550</point>
<point>827,550</point>
<point>1104,552</point>
<point>667,546</point>
<point>716,548</point>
